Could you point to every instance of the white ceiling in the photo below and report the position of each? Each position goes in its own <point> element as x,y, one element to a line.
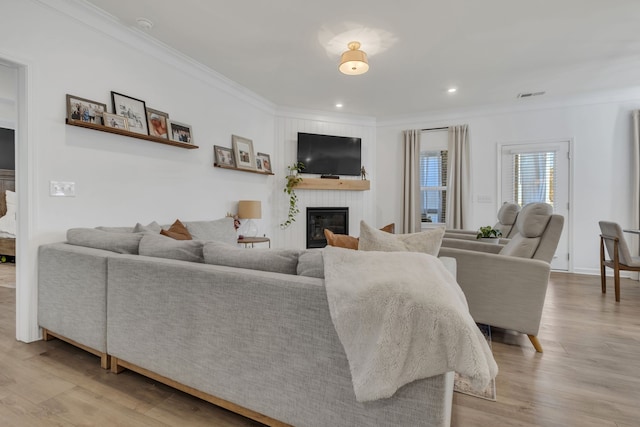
<point>287,51</point>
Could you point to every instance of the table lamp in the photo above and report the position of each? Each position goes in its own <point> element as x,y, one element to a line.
<point>249,210</point>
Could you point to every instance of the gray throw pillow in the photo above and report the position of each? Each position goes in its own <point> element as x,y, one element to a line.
<point>311,263</point>
<point>276,260</point>
<point>220,230</point>
<point>156,245</point>
<point>372,239</point>
<point>122,243</point>
<point>152,227</point>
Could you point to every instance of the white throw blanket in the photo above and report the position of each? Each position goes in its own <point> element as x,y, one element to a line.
<point>401,316</point>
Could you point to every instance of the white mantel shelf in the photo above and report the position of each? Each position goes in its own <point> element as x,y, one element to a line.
<point>334,184</point>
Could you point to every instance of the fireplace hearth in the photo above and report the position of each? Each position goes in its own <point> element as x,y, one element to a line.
<point>335,219</point>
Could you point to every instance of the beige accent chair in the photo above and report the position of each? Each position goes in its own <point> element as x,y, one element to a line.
<point>507,215</point>
<point>506,285</point>
<point>612,238</point>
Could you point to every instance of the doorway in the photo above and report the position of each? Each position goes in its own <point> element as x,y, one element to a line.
<point>8,118</point>
<point>539,172</point>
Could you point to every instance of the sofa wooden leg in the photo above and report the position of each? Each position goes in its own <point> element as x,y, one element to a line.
<point>535,342</point>
<point>105,361</point>
<point>46,336</point>
<point>115,367</point>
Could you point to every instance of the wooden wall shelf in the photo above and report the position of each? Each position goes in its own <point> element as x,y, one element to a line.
<point>242,170</point>
<point>333,184</point>
<point>123,132</point>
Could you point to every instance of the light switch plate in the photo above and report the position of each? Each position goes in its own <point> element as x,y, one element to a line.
<point>62,188</point>
<point>484,198</point>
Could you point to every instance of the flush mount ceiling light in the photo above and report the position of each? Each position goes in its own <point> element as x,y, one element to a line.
<point>353,61</point>
<point>144,24</point>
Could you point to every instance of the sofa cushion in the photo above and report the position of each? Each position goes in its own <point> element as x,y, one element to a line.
<point>159,246</point>
<point>508,213</point>
<point>533,219</point>
<point>116,229</point>
<point>275,260</point>
<point>177,231</point>
<point>220,230</point>
<point>122,243</point>
<point>311,263</point>
<point>428,241</point>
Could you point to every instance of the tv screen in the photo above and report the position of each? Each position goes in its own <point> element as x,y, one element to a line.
<point>329,155</point>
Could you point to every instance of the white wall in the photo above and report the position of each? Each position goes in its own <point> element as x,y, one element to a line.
<point>600,128</point>
<point>360,203</point>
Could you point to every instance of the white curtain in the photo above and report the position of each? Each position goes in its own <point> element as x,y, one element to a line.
<point>459,181</point>
<point>411,184</point>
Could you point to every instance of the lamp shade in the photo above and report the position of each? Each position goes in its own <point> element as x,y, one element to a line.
<point>353,61</point>
<point>249,209</point>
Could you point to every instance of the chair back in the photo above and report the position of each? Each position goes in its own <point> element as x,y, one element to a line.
<point>538,233</point>
<point>507,216</point>
<point>613,230</point>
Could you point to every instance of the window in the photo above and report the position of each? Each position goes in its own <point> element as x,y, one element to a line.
<point>533,177</point>
<point>433,185</point>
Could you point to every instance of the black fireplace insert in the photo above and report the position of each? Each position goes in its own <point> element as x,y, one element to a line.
<point>335,219</point>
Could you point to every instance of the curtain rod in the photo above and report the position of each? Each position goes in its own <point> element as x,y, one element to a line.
<point>444,128</point>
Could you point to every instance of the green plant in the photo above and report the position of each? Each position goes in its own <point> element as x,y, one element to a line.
<point>293,178</point>
<point>488,232</point>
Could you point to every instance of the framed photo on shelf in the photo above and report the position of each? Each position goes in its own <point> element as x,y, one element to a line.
<point>157,122</point>
<point>115,121</point>
<point>85,110</point>
<point>133,109</point>
<point>223,156</point>
<point>263,162</point>
<point>180,132</point>
<point>243,152</point>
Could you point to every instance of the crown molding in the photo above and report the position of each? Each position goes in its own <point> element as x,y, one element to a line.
<point>99,20</point>
<point>324,116</point>
<point>630,95</point>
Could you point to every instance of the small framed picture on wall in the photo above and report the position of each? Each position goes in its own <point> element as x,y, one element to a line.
<point>263,162</point>
<point>243,152</point>
<point>223,157</point>
<point>180,132</point>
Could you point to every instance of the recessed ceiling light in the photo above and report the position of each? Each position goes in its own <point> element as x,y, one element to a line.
<point>452,90</point>
<point>338,105</point>
<point>144,24</point>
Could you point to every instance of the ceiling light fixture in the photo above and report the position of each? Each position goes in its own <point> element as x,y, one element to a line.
<point>452,90</point>
<point>353,61</point>
<point>144,24</point>
<point>338,105</point>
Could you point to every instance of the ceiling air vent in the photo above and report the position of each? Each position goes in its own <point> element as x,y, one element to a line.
<point>530,94</point>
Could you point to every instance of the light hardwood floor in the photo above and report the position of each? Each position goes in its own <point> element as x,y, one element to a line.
<point>588,376</point>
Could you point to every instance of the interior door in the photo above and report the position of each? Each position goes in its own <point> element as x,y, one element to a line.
<point>539,172</point>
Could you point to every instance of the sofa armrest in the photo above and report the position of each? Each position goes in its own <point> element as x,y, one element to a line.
<point>503,291</point>
<point>472,245</point>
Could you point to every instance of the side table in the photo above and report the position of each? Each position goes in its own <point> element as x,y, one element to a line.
<point>253,240</point>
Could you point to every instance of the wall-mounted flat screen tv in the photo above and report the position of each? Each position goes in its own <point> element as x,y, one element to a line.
<point>329,155</point>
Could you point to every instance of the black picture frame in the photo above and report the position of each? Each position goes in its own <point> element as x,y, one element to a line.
<point>135,110</point>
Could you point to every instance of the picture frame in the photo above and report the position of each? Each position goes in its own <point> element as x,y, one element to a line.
<point>263,163</point>
<point>115,121</point>
<point>157,122</point>
<point>133,109</point>
<point>85,110</point>
<point>180,132</point>
<point>223,156</point>
<point>243,152</point>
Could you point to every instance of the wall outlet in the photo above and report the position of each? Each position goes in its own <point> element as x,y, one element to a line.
<point>62,189</point>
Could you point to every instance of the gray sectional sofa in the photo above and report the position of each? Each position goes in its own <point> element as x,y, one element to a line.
<point>247,329</point>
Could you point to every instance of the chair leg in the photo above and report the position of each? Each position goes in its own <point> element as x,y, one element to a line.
<point>603,273</point>
<point>616,273</point>
<point>535,342</point>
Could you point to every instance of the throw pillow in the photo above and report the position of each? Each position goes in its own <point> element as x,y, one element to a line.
<point>428,241</point>
<point>158,246</point>
<point>152,227</point>
<point>350,242</point>
<point>122,243</point>
<point>177,231</point>
<point>276,260</point>
<point>220,230</point>
<point>340,240</point>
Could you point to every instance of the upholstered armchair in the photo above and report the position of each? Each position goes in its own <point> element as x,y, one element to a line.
<point>620,258</point>
<point>507,215</point>
<point>506,285</point>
